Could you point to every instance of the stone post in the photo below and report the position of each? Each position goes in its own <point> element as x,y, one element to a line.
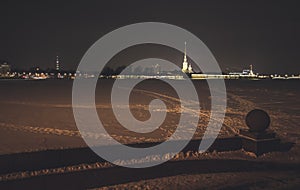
<point>258,138</point>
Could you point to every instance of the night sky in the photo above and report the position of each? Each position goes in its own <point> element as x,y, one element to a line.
<point>239,33</point>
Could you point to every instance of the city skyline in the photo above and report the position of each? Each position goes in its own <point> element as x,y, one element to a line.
<point>264,34</point>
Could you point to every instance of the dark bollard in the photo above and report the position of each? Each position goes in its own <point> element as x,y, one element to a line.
<point>258,138</point>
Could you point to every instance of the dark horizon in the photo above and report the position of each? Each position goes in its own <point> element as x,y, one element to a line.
<point>264,34</point>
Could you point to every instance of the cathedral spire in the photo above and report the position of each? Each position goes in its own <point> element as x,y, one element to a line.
<point>186,67</point>
<point>185,63</point>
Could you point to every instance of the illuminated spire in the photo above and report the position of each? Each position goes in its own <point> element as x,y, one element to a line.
<point>185,64</point>
<point>186,67</point>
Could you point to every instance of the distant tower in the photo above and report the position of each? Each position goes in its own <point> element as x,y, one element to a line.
<point>186,67</point>
<point>190,69</point>
<point>57,64</point>
<point>251,70</point>
<point>157,69</point>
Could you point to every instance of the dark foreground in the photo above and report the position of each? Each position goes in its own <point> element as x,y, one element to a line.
<point>41,147</point>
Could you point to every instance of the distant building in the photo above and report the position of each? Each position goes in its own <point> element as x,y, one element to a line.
<point>245,73</point>
<point>186,67</point>
<point>4,68</point>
